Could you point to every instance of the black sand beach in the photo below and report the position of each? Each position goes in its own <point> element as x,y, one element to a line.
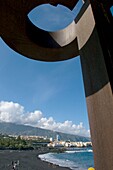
<point>28,160</point>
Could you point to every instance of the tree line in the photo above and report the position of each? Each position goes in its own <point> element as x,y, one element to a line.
<point>9,142</point>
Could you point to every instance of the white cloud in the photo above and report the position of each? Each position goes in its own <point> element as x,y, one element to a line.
<point>31,118</point>
<point>11,112</point>
<point>15,113</point>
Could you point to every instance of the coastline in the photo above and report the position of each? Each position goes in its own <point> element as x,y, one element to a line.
<point>28,159</point>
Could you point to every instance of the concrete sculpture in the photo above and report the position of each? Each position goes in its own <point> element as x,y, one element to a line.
<point>92,33</point>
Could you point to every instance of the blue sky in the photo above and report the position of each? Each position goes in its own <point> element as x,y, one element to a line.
<point>111,9</point>
<point>44,94</point>
<point>53,18</point>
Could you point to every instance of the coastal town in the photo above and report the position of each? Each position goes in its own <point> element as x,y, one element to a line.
<point>69,144</point>
<point>52,143</point>
<point>34,142</point>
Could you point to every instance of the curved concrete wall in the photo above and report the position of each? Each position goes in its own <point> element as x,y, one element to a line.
<point>85,27</point>
<point>20,34</point>
<point>16,31</point>
<point>65,36</point>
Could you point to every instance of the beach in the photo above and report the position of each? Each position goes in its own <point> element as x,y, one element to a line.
<point>28,160</point>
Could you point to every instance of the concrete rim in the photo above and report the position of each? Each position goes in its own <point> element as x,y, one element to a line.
<point>15,26</point>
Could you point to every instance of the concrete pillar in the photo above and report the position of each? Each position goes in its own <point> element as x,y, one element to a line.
<point>99,102</point>
<point>98,92</point>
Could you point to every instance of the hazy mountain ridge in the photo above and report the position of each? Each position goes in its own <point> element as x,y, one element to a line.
<point>18,129</point>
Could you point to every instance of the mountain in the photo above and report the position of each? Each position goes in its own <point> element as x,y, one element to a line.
<point>18,129</point>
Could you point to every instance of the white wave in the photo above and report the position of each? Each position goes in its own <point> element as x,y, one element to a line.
<point>90,150</point>
<point>77,151</point>
<point>64,162</point>
<point>70,151</point>
<point>49,157</point>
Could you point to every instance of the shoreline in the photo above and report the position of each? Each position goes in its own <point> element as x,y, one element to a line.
<point>28,159</point>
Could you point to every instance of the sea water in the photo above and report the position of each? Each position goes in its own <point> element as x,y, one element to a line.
<point>75,159</point>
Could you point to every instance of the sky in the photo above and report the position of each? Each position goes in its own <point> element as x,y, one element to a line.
<point>111,9</point>
<point>49,95</point>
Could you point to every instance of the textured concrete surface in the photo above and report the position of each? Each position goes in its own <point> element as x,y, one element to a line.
<point>99,102</point>
<point>65,36</point>
<point>20,35</point>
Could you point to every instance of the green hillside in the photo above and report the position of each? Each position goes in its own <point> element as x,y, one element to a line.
<point>17,129</point>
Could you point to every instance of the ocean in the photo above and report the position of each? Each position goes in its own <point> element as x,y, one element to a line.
<point>75,159</point>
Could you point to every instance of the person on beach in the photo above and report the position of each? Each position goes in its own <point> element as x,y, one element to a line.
<point>15,164</point>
